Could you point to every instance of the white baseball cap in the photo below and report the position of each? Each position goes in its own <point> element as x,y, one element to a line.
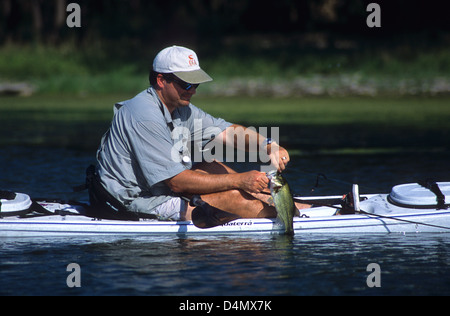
<point>182,62</point>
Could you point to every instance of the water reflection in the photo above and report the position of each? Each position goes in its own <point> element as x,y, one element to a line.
<point>233,265</point>
<point>412,264</point>
<point>195,266</point>
<point>275,265</point>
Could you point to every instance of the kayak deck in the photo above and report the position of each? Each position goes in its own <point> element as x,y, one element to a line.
<point>408,208</point>
<point>314,220</point>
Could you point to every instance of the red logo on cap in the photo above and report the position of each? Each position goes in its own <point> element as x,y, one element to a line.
<point>192,61</point>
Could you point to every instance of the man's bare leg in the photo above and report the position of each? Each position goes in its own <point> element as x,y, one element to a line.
<point>217,168</point>
<point>233,201</point>
<point>246,205</point>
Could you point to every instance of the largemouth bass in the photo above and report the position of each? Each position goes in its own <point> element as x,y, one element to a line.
<point>283,201</point>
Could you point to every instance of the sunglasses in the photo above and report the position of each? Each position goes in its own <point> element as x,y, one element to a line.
<point>182,84</point>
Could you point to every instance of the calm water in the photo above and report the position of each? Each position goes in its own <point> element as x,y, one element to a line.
<point>411,264</point>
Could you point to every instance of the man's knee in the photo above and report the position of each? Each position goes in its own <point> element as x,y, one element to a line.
<point>214,167</point>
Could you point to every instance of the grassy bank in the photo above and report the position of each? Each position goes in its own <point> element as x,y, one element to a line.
<point>66,70</point>
<point>396,71</point>
<point>351,124</point>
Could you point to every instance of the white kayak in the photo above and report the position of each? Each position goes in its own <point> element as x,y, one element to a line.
<point>408,208</point>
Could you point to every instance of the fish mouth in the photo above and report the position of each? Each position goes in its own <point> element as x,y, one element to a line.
<point>274,185</point>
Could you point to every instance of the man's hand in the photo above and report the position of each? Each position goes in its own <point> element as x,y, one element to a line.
<point>279,157</point>
<point>253,181</point>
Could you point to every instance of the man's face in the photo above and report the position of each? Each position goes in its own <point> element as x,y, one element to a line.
<point>173,93</point>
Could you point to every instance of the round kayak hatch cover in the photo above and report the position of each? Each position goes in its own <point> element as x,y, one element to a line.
<point>21,202</point>
<point>414,194</point>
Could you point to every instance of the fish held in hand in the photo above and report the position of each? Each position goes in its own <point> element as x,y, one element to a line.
<point>283,201</point>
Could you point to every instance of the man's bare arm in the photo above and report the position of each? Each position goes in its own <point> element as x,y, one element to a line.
<point>195,182</point>
<point>249,140</point>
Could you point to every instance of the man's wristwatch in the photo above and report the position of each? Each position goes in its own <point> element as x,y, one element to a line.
<point>266,142</point>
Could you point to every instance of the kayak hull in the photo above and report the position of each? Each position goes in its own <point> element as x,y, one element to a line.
<point>73,225</point>
<point>399,212</point>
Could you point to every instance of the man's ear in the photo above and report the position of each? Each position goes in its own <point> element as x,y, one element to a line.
<point>160,81</point>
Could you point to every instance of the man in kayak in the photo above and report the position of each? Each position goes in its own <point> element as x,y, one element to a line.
<point>143,166</point>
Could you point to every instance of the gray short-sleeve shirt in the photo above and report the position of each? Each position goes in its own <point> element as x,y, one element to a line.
<point>146,145</point>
